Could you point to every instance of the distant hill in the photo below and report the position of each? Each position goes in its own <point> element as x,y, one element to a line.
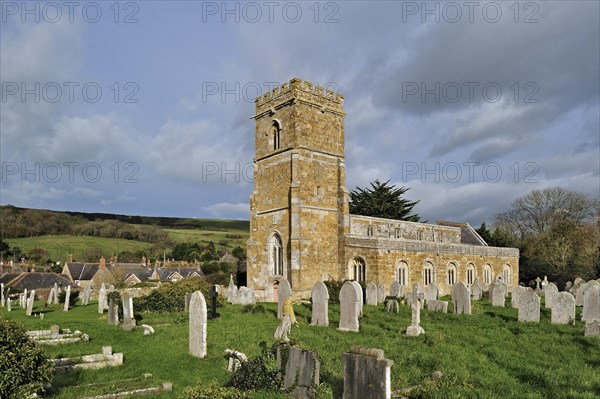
<point>27,222</point>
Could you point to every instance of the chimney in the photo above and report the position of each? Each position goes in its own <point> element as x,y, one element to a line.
<point>70,258</point>
<point>102,263</point>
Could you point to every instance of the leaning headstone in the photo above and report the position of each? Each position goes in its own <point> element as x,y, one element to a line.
<point>113,313</point>
<point>148,330</point>
<point>395,289</point>
<point>101,298</point>
<point>128,318</point>
<point>24,299</point>
<point>592,328</point>
<point>87,292</point>
<point>67,298</point>
<point>284,292</point>
<point>320,305</point>
<point>50,297</point>
<point>359,293</point>
<point>550,293</point>
<point>431,292</point>
<point>367,374</point>
<point>380,292</point>
<point>591,304</point>
<point>371,294</point>
<point>415,329</point>
<point>301,371</point>
<point>529,307</point>
<point>563,309</point>
<point>515,295</point>
<point>461,298</point>
<point>197,325</point>
<point>30,303</point>
<point>476,291</point>
<point>349,308</point>
<point>497,295</point>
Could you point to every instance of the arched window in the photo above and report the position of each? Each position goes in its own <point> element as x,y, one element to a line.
<point>506,274</point>
<point>487,274</point>
<point>402,276</point>
<point>276,254</point>
<point>276,135</point>
<point>470,274</point>
<point>359,269</point>
<point>451,274</point>
<point>428,273</point>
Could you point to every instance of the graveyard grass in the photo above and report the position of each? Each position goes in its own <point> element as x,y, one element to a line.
<point>485,355</point>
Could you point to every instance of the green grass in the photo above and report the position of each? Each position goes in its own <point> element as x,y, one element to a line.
<point>204,236</point>
<point>486,355</point>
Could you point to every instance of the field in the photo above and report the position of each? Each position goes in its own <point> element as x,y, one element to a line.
<point>60,246</point>
<point>485,355</point>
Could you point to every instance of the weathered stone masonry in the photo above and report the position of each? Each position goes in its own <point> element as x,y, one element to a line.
<point>300,225</point>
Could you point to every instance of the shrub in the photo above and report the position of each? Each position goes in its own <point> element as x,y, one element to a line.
<point>171,297</point>
<point>23,368</point>
<point>212,391</point>
<point>334,287</point>
<point>72,298</point>
<point>259,373</point>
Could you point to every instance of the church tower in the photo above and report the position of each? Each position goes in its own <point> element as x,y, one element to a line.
<point>299,206</point>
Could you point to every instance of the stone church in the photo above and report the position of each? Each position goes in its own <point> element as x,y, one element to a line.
<point>300,225</point>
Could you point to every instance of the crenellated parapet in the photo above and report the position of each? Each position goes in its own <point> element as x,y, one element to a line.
<point>299,90</point>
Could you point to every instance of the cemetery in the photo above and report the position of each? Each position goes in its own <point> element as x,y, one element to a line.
<point>459,345</point>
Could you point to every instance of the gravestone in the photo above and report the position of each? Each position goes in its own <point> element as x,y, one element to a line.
<point>415,329</point>
<point>367,374</point>
<point>591,304</point>
<point>549,294</point>
<point>186,306</point>
<point>515,295</point>
<point>437,306</point>
<point>320,305</point>
<point>371,294</point>
<point>113,313</point>
<point>485,287</point>
<point>360,295</point>
<point>101,298</point>
<point>231,289</point>
<point>504,287</point>
<point>529,307</point>
<point>50,297</point>
<point>24,299</point>
<point>461,298</point>
<point>56,291</point>
<point>301,371</point>
<point>30,301</point>
<point>1,294</point>
<point>284,292</point>
<point>563,309</point>
<point>395,289</point>
<point>477,291</point>
<point>128,319</point>
<point>431,292</point>
<point>349,307</point>
<point>380,292</point>
<point>86,295</point>
<point>8,304</point>
<point>497,295</point>
<point>592,328</point>
<point>67,298</point>
<point>197,325</point>
<point>538,289</point>
<point>245,296</point>
<point>214,296</point>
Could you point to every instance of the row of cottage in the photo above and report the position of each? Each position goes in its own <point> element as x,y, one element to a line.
<point>79,274</point>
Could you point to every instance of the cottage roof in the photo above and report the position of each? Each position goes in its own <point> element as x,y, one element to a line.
<point>34,281</point>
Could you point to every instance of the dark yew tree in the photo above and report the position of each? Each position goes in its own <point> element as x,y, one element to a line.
<point>383,200</point>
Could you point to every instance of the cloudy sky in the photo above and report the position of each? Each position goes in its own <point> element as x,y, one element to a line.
<point>144,108</point>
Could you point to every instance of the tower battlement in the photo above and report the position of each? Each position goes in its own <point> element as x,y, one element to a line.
<point>300,90</point>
